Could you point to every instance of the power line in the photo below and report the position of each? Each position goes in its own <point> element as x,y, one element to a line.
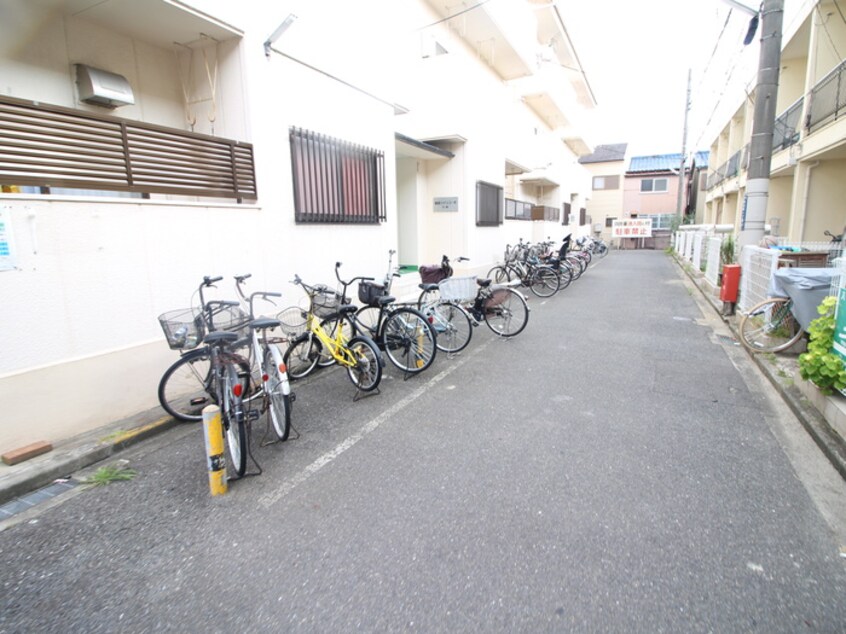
<point>825,28</point>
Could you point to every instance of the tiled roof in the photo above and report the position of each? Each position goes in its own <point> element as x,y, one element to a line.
<point>606,153</point>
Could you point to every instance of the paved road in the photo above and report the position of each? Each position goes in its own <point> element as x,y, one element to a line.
<point>616,468</point>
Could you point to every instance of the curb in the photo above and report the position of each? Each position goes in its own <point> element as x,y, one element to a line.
<point>827,439</point>
<point>75,454</point>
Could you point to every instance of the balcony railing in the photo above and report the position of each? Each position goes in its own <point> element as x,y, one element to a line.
<point>51,146</point>
<point>729,169</point>
<point>786,126</point>
<point>828,99</point>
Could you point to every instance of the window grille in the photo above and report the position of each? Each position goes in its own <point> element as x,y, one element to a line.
<point>55,147</point>
<point>336,181</point>
<point>489,204</point>
<point>566,213</point>
<point>517,210</point>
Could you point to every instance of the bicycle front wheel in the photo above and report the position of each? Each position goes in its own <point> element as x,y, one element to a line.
<point>499,274</point>
<point>235,429</point>
<point>544,282</point>
<point>409,340</point>
<point>565,276</point>
<point>278,402</point>
<point>366,372</point>
<point>453,326</point>
<point>302,356</point>
<point>506,312</point>
<point>184,387</point>
<point>770,326</point>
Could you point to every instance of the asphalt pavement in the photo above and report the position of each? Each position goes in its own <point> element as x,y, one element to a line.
<point>618,467</point>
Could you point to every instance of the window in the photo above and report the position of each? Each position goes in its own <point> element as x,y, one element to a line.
<point>566,213</point>
<point>606,182</point>
<point>660,221</point>
<point>582,216</point>
<point>609,222</point>
<point>653,185</point>
<point>336,181</point>
<point>489,204</point>
<point>517,210</point>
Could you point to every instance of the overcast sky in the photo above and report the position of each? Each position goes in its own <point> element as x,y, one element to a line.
<point>636,55</point>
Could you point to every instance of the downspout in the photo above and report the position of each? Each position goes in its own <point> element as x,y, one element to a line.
<point>806,195</point>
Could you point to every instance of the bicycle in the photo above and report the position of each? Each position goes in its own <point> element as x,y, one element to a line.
<point>402,332</point>
<point>210,374</point>
<point>358,354</point>
<point>275,389</point>
<point>503,309</point>
<point>770,326</point>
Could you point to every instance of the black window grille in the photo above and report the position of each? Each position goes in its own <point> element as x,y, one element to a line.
<point>336,181</point>
<point>566,214</point>
<point>43,146</point>
<point>582,216</point>
<point>489,204</point>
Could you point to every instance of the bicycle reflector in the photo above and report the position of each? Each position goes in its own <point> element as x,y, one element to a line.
<point>283,367</point>
<point>238,389</point>
<point>265,377</point>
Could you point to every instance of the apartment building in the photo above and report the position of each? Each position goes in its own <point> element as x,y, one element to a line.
<point>147,143</point>
<point>806,187</point>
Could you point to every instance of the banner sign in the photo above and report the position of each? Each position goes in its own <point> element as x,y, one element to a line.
<point>632,228</point>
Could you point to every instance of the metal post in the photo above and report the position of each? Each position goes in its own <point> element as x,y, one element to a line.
<point>213,432</point>
<point>680,206</point>
<point>754,213</point>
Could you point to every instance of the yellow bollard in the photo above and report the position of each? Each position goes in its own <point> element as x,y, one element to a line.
<point>213,432</point>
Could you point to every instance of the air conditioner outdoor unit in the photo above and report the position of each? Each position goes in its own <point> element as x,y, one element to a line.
<point>102,88</point>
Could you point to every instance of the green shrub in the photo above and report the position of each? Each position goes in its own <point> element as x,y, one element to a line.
<point>820,365</point>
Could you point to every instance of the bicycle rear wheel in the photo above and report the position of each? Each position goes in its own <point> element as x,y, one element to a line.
<point>367,371</point>
<point>770,326</point>
<point>565,276</point>
<point>278,402</point>
<point>409,340</point>
<point>506,312</point>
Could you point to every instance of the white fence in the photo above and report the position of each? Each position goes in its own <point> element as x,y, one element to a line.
<point>713,266</point>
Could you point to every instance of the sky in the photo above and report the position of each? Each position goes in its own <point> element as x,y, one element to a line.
<point>636,55</point>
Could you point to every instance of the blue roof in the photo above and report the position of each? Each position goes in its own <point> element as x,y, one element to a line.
<point>666,162</point>
<point>655,163</point>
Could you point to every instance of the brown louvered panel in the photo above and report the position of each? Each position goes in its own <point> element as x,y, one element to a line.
<point>52,146</point>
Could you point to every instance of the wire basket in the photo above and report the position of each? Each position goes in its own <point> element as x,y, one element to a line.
<point>325,303</point>
<point>184,328</point>
<point>293,321</point>
<point>458,289</point>
<point>231,318</point>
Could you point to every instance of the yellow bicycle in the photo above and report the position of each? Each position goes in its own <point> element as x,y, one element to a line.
<point>326,337</point>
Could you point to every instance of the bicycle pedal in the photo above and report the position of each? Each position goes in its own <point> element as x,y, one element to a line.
<point>253,414</point>
<point>292,396</point>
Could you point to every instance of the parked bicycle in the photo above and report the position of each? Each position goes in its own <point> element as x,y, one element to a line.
<point>403,333</point>
<point>503,309</point>
<point>526,266</point>
<point>211,374</point>
<point>272,385</point>
<point>358,354</point>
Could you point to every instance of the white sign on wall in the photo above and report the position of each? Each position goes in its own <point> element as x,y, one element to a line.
<point>446,203</point>
<point>8,260</point>
<point>632,228</point>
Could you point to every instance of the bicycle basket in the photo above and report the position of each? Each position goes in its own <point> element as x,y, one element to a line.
<point>230,318</point>
<point>370,292</point>
<point>293,320</point>
<point>325,303</point>
<point>458,288</point>
<point>432,274</point>
<point>183,328</point>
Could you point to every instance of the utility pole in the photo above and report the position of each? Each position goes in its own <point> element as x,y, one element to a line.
<point>680,204</point>
<point>754,213</point>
